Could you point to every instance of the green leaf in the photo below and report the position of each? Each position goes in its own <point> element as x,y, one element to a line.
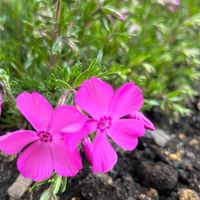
<point>45,195</point>
<point>63,84</point>
<point>105,23</point>
<point>64,185</point>
<point>57,46</point>
<point>99,56</point>
<point>111,10</point>
<point>57,184</point>
<point>79,79</point>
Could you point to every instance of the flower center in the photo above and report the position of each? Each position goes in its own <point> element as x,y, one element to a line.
<point>104,123</point>
<point>45,137</point>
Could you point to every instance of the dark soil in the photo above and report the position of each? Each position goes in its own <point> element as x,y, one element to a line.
<point>150,172</point>
<point>8,174</point>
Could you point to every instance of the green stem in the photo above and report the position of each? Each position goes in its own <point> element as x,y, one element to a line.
<point>64,96</point>
<point>55,36</point>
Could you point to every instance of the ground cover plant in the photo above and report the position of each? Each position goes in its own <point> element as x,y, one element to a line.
<point>64,52</point>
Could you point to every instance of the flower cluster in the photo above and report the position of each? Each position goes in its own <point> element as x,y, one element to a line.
<point>100,114</point>
<point>171,4</point>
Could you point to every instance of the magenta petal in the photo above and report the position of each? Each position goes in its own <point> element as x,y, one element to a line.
<point>140,116</point>
<point>73,139</point>
<point>14,142</point>
<point>91,125</point>
<point>124,132</point>
<point>67,119</point>
<point>67,162</point>
<point>131,126</point>
<point>94,96</point>
<point>36,109</point>
<point>88,148</point>
<point>126,99</point>
<point>104,156</point>
<point>36,161</point>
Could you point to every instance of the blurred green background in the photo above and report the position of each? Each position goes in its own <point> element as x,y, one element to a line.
<point>52,46</point>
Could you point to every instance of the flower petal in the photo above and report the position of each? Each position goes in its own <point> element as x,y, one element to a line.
<point>125,132</point>
<point>36,162</point>
<point>14,142</point>
<point>126,99</point>
<point>73,139</point>
<point>88,148</point>
<point>68,119</point>
<point>36,109</point>
<point>67,162</point>
<point>140,116</point>
<point>94,96</point>
<point>104,156</point>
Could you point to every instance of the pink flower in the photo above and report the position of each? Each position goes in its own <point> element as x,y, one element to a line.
<point>72,139</point>
<point>176,2</point>
<point>88,148</point>
<point>107,109</point>
<point>171,4</point>
<point>43,150</point>
<point>1,102</point>
<point>140,116</point>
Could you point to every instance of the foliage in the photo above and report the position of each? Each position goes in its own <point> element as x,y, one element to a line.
<point>52,46</point>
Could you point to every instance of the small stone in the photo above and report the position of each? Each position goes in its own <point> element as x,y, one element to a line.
<point>198,105</point>
<point>181,136</point>
<point>194,143</point>
<point>190,155</point>
<point>175,156</point>
<point>161,137</point>
<point>188,194</point>
<point>152,193</point>
<point>144,197</point>
<point>105,178</point>
<point>19,187</point>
